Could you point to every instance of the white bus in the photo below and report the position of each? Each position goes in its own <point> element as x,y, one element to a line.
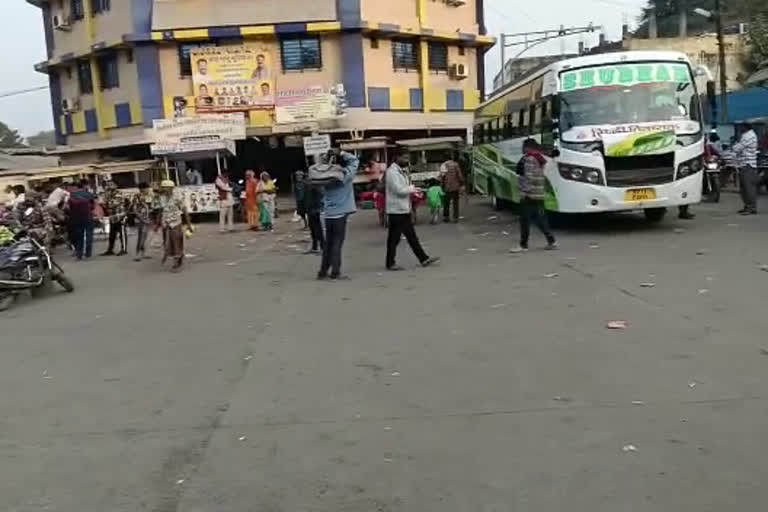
<point>623,131</point>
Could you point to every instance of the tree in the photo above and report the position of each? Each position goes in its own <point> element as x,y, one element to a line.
<point>668,15</point>
<point>43,139</point>
<point>10,138</point>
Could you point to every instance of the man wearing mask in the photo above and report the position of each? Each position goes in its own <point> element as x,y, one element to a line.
<point>532,182</point>
<point>399,210</point>
<point>746,150</point>
<point>338,205</point>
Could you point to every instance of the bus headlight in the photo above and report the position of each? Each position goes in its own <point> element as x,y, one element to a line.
<point>581,174</point>
<point>690,167</point>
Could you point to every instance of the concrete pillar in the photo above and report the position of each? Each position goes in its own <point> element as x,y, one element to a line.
<point>653,27</point>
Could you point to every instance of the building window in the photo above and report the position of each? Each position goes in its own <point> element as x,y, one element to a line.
<point>405,55</point>
<point>99,6</point>
<point>438,57</point>
<point>129,55</point>
<point>462,50</point>
<point>374,43</point>
<point>84,77</point>
<point>109,77</point>
<point>78,12</point>
<point>69,72</point>
<point>301,53</point>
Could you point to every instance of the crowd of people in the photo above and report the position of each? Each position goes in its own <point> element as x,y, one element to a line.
<point>325,198</point>
<point>69,215</point>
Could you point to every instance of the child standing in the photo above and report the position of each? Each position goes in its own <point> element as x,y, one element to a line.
<point>435,198</point>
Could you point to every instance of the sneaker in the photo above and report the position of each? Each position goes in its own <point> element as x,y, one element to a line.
<point>686,216</point>
<point>137,258</point>
<point>748,212</point>
<point>552,246</point>
<point>518,250</point>
<point>322,276</point>
<point>339,277</point>
<point>430,261</point>
<point>395,268</point>
<point>108,253</point>
<point>311,251</point>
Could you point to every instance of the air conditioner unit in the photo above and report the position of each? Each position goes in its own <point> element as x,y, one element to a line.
<point>69,105</point>
<point>456,3</point>
<point>459,71</point>
<point>61,22</point>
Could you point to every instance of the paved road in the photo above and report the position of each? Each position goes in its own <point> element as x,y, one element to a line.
<point>485,384</point>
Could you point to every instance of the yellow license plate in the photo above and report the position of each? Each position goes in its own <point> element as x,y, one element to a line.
<point>639,194</point>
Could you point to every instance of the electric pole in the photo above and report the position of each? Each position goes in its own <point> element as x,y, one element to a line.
<point>723,76</point>
<point>530,39</point>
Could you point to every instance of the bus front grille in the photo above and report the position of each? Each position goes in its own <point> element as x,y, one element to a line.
<point>635,171</point>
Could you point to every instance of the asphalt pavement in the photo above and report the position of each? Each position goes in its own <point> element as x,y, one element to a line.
<point>488,383</point>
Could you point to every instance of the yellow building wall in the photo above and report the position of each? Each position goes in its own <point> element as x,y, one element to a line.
<point>110,26</point>
<point>400,12</point>
<point>379,71</point>
<point>330,74</point>
<point>440,16</point>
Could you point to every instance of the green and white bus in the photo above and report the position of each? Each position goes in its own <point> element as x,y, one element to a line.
<point>623,131</point>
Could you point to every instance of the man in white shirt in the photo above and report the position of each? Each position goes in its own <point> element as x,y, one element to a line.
<point>226,203</point>
<point>746,150</point>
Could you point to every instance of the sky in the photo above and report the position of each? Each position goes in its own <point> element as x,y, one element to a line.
<point>23,41</point>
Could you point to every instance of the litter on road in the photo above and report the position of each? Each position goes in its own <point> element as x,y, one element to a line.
<point>703,291</point>
<point>629,448</point>
<point>493,217</point>
<point>179,481</point>
<point>692,384</point>
<point>617,324</point>
<point>498,306</point>
<point>242,438</point>
<point>505,233</point>
<point>551,275</point>
<point>395,374</point>
<point>472,249</point>
<point>594,246</point>
<point>248,357</point>
<point>702,252</point>
<point>232,264</point>
<point>638,402</point>
<point>679,231</point>
<point>647,285</point>
<point>563,399</point>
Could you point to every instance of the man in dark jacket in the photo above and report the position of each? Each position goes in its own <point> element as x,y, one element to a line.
<point>81,203</point>
<point>532,185</point>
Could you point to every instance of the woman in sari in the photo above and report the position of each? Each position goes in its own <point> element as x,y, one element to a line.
<point>251,186</point>
<point>266,199</point>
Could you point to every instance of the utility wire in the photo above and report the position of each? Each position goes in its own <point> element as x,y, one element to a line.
<point>22,91</point>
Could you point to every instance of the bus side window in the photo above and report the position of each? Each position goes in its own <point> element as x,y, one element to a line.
<point>489,135</point>
<point>521,123</point>
<point>499,134</point>
<point>532,118</point>
<point>508,126</point>
<point>479,135</point>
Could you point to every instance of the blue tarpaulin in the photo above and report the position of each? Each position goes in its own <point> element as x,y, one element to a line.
<point>747,105</point>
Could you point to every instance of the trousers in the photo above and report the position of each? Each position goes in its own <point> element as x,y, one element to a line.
<point>82,238</point>
<point>451,198</point>
<point>226,218</point>
<point>335,233</point>
<point>749,179</point>
<point>402,224</point>
<point>316,230</point>
<point>532,210</point>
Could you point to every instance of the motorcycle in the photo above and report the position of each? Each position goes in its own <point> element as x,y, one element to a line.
<point>27,265</point>
<point>712,179</point>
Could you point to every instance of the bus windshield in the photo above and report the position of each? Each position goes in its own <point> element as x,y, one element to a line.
<point>628,94</point>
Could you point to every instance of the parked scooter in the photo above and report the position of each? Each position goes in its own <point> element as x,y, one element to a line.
<point>27,265</point>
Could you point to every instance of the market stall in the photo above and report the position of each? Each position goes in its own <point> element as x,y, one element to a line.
<point>184,142</point>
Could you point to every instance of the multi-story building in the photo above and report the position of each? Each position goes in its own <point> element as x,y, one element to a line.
<point>409,67</point>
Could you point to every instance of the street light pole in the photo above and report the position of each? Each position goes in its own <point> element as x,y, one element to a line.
<point>723,76</point>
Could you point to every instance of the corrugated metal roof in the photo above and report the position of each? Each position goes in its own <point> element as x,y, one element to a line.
<point>746,105</point>
<point>22,162</point>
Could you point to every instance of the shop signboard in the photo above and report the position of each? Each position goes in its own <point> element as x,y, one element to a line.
<point>211,132</point>
<point>308,104</point>
<point>232,78</point>
<point>317,145</point>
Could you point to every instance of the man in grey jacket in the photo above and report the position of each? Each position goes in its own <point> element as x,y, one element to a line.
<point>398,204</point>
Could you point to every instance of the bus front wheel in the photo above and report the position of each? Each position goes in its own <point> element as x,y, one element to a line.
<point>655,215</point>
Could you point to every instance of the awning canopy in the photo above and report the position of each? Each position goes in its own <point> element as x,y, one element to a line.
<point>432,143</point>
